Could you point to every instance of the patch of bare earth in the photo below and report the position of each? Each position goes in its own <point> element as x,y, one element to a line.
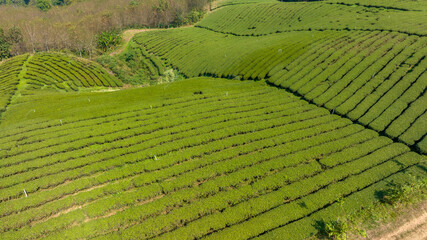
<point>410,225</point>
<point>128,35</point>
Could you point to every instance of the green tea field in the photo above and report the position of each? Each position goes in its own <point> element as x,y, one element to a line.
<point>290,114</point>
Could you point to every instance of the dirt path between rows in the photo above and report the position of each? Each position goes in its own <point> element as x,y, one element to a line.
<point>128,35</point>
<point>411,225</point>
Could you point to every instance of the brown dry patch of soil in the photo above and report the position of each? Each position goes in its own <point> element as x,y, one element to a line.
<point>410,225</point>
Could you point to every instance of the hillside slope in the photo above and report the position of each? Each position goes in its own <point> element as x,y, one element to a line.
<point>62,72</point>
<point>9,79</point>
<point>195,158</point>
<point>371,76</point>
<point>268,18</point>
<point>22,74</point>
<point>286,129</point>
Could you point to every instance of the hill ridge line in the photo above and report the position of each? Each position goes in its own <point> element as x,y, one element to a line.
<point>373,6</point>
<point>310,30</point>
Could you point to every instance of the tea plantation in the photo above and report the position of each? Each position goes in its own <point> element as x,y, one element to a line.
<point>9,79</point>
<point>291,113</point>
<point>65,73</point>
<point>376,78</point>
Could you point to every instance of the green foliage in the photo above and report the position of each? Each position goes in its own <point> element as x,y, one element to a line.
<point>15,2</point>
<point>66,73</point>
<point>108,40</point>
<point>14,35</point>
<point>9,79</point>
<point>4,45</point>
<point>337,229</point>
<point>216,158</point>
<point>258,19</point>
<point>194,16</point>
<point>136,66</point>
<point>403,193</point>
<point>376,78</point>
<point>61,2</point>
<point>161,6</point>
<point>179,18</point>
<point>394,194</point>
<point>44,5</point>
<point>217,167</point>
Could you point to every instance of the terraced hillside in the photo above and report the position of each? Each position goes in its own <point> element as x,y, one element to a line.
<point>268,18</point>
<point>376,78</point>
<point>9,79</point>
<point>51,71</point>
<point>287,121</point>
<point>62,72</point>
<point>134,65</point>
<point>204,158</point>
<point>197,51</point>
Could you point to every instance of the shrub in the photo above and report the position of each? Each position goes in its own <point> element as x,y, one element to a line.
<point>337,229</point>
<point>194,16</point>
<point>43,5</point>
<point>108,40</point>
<point>179,18</point>
<point>61,2</point>
<point>402,193</point>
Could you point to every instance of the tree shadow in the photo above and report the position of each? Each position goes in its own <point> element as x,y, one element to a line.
<point>320,226</point>
<point>302,204</point>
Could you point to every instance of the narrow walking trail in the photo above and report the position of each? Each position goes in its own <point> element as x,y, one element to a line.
<point>128,35</point>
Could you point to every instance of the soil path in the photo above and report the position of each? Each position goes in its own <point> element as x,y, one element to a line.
<point>412,225</point>
<point>127,36</point>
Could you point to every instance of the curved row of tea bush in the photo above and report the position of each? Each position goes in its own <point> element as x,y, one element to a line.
<point>196,51</point>
<point>200,158</point>
<point>379,83</point>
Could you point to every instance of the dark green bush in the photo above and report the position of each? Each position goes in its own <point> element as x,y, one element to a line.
<point>337,229</point>
<point>61,2</point>
<point>43,5</point>
<point>194,16</point>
